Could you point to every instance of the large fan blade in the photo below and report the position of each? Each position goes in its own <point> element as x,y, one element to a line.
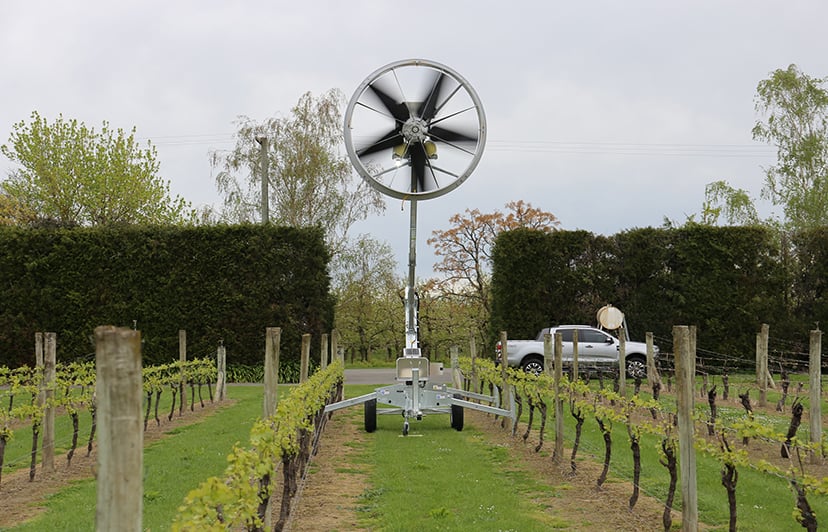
<point>418,160</point>
<point>421,169</point>
<point>384,142</point>
<point>397,109</point>
<point>429,105</point>
<point>439,134</point>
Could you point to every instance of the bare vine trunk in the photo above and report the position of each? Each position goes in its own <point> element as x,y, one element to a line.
<point>33,466</point>
<point>519,406</point>
<point>93,410</point>
<point>636,452</point>
<point>579,424</point>
<point>149,407</point>
<point>729,478</point>
<point>543,412</point>
<point>75,429</point>
<point>796,420</point>
<point>157,397</point>
<point>806,516</point>
<point>607,433</point>
<point>3,439</point>
<point>711,400</point>
<point>669,461</point>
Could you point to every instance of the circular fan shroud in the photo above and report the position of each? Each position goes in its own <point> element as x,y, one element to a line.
<point>415,129</point>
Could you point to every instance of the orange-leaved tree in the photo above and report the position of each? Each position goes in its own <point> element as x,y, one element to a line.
<point>465,251</point>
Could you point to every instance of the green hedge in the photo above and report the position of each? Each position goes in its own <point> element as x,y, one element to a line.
<point>219,283</point>
<point>724,280</point>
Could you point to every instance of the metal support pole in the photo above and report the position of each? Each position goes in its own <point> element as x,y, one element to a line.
<point>264,169</point>
<point>411,325</point>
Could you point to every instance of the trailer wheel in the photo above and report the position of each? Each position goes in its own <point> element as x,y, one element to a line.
<point>371,415</point>
<point>457,417</point>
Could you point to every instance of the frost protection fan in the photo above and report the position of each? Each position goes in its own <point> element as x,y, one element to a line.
<point>415,129</point>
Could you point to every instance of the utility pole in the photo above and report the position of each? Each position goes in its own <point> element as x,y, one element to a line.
<point>263,169</point>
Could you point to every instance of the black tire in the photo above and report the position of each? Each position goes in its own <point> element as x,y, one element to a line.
<point>457,417</point>
<point>636,366</point>
<point>370,415</point>
<point>532,364</point>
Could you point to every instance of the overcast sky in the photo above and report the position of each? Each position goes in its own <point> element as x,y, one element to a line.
<point>612,115</point>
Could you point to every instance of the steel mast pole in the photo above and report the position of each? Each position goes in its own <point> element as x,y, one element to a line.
<point>411,325</point>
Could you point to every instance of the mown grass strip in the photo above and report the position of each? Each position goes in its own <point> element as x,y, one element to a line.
<point>439,479</point>
<point>173,466</point>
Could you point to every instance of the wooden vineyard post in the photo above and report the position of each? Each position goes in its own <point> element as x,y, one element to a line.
<point>652,372</point>
<point>504,354</point>
<point>182,357</point>
<point>762,363</point>
<point>303,368</point>
<point>548,354</point>
<point>41,393</point>
<point>559,424</point>
<point>815,389</point>
<point>221,372</point>
<point>685,379</point>
<point>39,363</point>
<point>622,362</point>
<point>574,355</point>
<point>48,384</point>
<point>120,429</point>
<point>324,348</point>
<point>473,354</point>
<point>273,336</point>
<point>456,377</point>
<point>504,363</point>
<point>335,347</point>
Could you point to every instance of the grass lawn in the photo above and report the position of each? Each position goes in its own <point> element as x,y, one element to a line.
<point>437,478</point>
<point>172,467</point>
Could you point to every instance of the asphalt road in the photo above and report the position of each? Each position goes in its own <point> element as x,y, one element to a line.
<point>388,376</point>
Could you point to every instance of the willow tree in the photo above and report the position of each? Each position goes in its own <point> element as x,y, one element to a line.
<point>70,174</point>
<point>309,179</point>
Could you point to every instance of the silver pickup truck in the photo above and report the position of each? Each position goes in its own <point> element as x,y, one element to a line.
<point>596,348</point>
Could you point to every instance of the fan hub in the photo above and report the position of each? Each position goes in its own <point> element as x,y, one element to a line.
<point>415,130</point>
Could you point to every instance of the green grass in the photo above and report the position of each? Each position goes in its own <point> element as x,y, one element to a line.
<point>439,479</point>
<point>172,467</point>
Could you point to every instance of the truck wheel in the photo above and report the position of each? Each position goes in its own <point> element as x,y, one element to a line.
<point>457,416</point>
<point>532,364</point>
<point>636,367</point>
<point>371,415</point>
